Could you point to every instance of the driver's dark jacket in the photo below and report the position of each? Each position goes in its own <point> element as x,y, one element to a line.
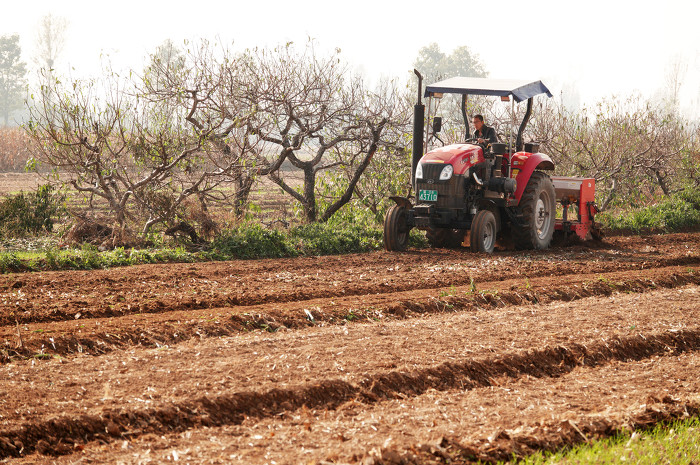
<point>486,133</point>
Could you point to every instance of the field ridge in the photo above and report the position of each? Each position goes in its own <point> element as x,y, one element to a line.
<point>329,394</point>
<point>43,341</point>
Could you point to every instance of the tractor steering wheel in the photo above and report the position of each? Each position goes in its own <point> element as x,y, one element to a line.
<point>474,140</point>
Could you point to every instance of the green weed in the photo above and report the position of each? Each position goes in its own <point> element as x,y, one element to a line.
<point>677,212</point>
<point>450,293</point>
<point>677,443</point>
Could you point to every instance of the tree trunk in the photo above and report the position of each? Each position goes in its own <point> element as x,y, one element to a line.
<point>610,196</point>
<point>310,194</point>
<point>335,206</point>
<point>662,182</point>
<point>240,201</point>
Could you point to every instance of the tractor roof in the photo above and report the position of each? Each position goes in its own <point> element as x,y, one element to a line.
<point>518,88</point>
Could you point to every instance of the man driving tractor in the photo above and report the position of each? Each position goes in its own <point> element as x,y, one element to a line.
<point>483,134</point>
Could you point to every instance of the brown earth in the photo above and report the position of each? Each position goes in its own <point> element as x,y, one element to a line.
<point>11,183</point>
<point>420,357</point>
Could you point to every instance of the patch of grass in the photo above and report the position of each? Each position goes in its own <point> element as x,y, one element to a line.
<point>677,443</point>
<point>251,241</point>
<point>678,212</point>
<point>607,282</point>
<point>89,257</point>
<point>333,237</point>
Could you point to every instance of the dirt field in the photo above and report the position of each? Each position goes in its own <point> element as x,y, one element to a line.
<point>12,183</point>
<point>422,357</point>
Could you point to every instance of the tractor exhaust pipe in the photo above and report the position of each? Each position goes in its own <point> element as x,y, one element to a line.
<point>521,130</point>
<point>418,119</point>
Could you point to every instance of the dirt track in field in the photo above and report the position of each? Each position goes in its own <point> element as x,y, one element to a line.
<point>374,358</point>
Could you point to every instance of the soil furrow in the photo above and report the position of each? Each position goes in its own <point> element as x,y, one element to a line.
<point>350,358</point>
<point>57,296</point>
<point>59,435</point>
<point>519,416</point>
<point>97,337</point>
<point>549,436</point>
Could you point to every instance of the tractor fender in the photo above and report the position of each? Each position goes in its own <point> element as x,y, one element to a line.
<point>402,202</point>
<point>535,161</point>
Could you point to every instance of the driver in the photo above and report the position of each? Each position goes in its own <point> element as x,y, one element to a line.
<point>483,133</point>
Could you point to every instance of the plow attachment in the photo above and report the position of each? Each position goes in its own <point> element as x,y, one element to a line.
<point>577,198</point>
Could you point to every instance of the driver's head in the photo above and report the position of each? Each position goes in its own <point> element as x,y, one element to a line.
<point>478,122</point>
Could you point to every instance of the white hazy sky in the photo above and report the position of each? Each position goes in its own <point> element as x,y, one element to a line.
<point>598,47</point>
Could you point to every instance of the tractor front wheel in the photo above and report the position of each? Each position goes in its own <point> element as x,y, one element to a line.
<point>483,232</point>
<point>396,229</point>
<point>534,225</point>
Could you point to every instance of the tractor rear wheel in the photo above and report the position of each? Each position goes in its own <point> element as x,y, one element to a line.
<point>396,229</point>
<point>534,225</point>
<point>483,232</point>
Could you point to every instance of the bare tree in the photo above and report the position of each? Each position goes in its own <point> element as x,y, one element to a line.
<point>312,113</point>
<point>50,41</point>
<point>205,85</point>
<point>675,73</point>
<point>147,145</point>
<point>631,147</point>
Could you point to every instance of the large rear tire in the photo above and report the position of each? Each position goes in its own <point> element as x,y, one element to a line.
<point>534,225</point>
<point>396,229</point>
<point>483,233</point>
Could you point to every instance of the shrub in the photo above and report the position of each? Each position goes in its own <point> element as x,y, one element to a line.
<point>679,211</point>
<point>30,213</point>
<point>251,241</point>
<point>335,238</point>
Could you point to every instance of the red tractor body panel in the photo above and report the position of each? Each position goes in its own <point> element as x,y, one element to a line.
<point>523,164</point>
<point>460,156</point>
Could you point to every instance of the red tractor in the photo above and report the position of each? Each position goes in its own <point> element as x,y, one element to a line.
<point>471,193</point>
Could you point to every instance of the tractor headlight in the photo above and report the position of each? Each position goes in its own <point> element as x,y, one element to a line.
<point>446,173</point>
<point>419,171</point>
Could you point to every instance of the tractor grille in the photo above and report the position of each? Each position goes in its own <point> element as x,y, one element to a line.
<point>432,171</point>
<point>451,193</point>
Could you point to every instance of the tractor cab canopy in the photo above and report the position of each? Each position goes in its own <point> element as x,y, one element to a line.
<point>518,88</point>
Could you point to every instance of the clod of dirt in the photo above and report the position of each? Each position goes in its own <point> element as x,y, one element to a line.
<point>43,447</point>
<point>113,429</point>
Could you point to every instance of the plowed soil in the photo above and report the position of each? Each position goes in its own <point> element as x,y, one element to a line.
<point>430,356</point>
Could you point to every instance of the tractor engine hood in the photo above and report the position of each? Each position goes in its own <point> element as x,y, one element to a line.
<point>460,156</point>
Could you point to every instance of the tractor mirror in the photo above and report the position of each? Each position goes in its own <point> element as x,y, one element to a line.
<point>437,124</point>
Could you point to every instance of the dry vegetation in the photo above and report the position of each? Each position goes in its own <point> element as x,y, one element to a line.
<point>15,149</point>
